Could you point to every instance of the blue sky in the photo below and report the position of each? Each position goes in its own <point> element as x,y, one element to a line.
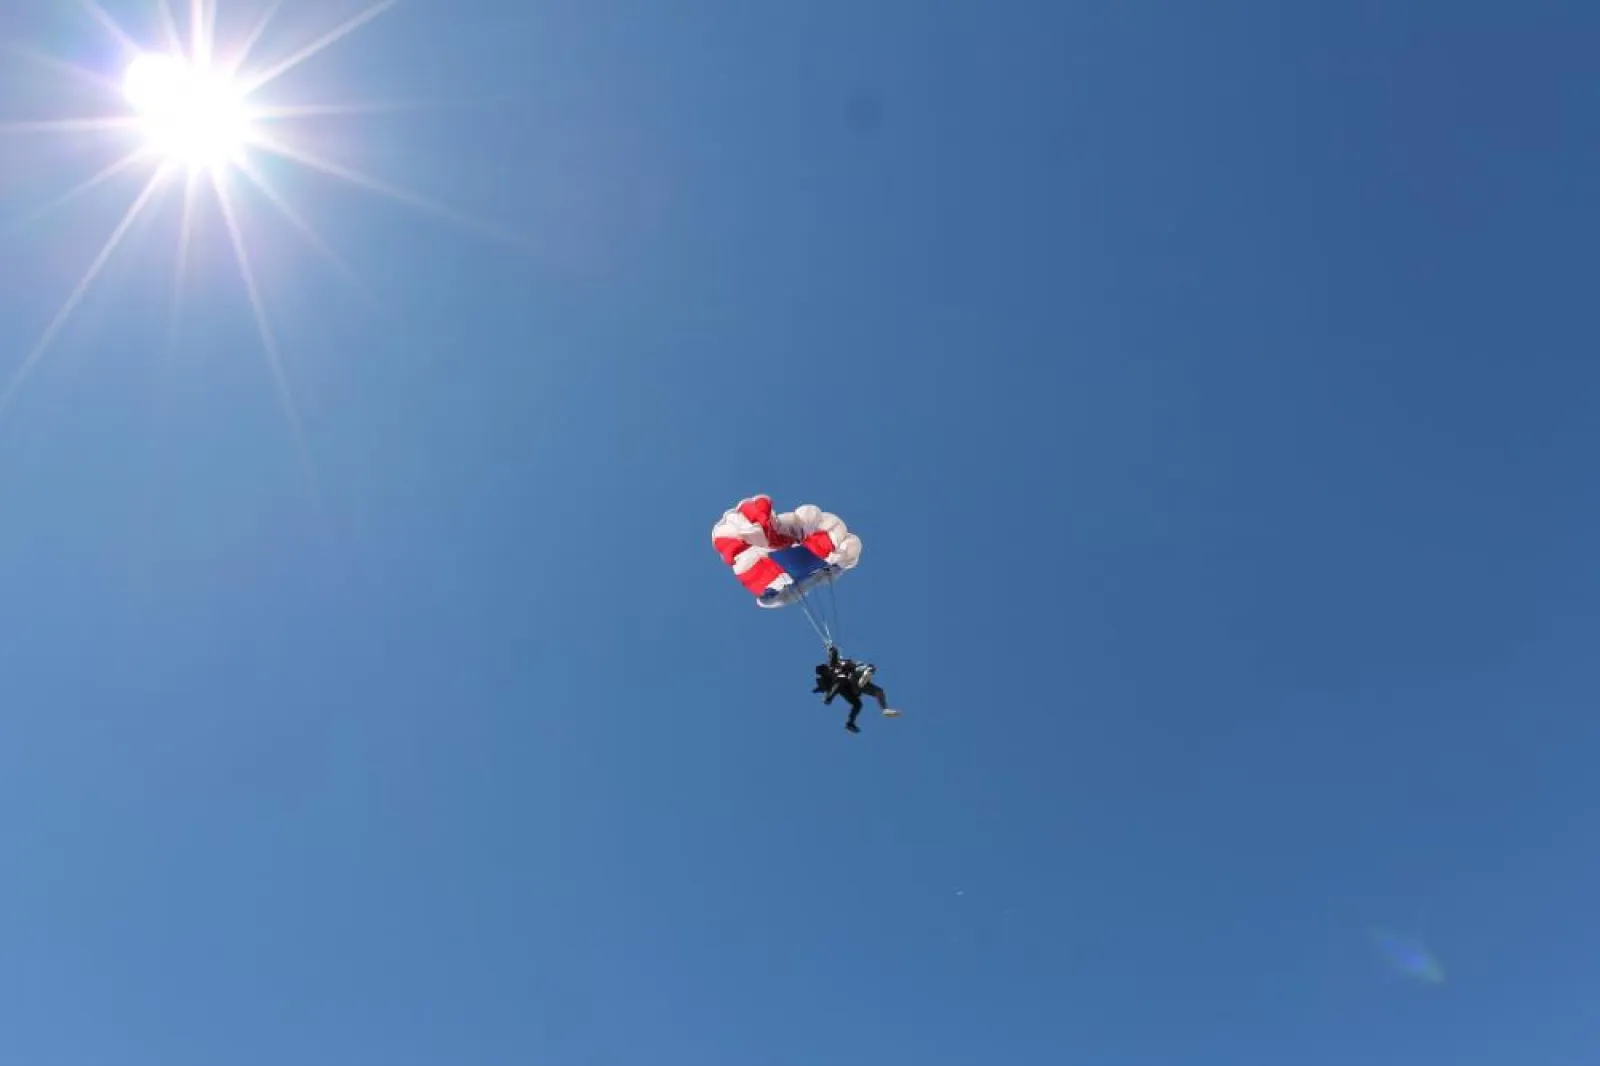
<point>1212,387</point>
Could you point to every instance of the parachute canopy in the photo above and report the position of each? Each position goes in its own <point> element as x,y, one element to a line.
<point>780,557</point>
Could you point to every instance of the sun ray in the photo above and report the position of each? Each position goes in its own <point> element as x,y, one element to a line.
<point>199,34</point>
<point>327,40</point>
<point>109,24</point>
<point>269,341</point>
<point>61,66</point>
<point>277,113</point>
<point>253,38</point>
<point>382,188</point>
<point>73,193</point>
<point>96,124</point>
<point>180,269</point>
<point>169,27</point>
<point>212,18</point>
<point>304,228</point>
<point>154,185</point>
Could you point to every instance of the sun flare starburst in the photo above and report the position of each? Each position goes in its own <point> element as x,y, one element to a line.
<point>200,123</point>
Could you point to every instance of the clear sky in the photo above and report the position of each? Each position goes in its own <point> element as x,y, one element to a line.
<point>1213,387</point>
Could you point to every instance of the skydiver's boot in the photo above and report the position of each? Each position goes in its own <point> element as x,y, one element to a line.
<point>852,727</point>
<point>850,723</point>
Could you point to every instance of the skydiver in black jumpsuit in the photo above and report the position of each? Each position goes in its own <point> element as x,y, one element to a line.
<point>847,678</point>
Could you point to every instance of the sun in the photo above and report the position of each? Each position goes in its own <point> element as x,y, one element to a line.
<point>187,113</point>
<point>201,110</point>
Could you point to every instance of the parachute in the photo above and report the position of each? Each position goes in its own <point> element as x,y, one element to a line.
<point>782,557</point>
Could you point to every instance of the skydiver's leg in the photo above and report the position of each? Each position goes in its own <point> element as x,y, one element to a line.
<point>855,709</point>
<point>871,689</point>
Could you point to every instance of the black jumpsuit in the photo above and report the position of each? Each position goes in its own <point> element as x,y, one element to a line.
<point>843,674</point>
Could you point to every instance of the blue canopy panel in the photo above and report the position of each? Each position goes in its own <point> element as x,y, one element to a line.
<point>805,568</point>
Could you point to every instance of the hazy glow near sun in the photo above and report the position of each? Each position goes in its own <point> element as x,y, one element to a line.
<point>187,113</point>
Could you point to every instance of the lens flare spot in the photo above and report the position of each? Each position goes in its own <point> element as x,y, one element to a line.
<point>1407,957</point>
